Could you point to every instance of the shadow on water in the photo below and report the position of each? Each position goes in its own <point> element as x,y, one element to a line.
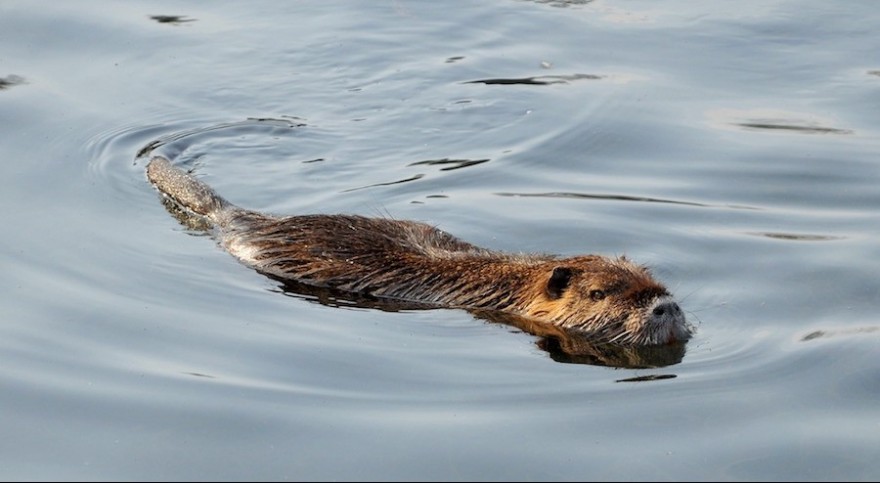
<point>562,346</point>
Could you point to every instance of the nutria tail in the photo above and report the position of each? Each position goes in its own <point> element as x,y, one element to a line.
<point>184,188</point>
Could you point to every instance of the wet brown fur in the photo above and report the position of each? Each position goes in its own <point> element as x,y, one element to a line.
<point>609,299</point>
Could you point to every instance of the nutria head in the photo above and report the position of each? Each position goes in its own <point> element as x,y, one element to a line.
<point>614,299</point>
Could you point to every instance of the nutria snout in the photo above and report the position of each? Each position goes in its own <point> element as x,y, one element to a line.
<point>608,299</point>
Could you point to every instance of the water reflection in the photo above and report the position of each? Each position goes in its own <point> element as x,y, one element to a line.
<point>562,346</point>
<point>574,348</point>
<point>196,225</point>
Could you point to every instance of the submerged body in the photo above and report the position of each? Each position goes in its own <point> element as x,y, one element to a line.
<point>608,299</point>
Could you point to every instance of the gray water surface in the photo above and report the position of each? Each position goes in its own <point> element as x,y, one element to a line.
<point>730,146</point>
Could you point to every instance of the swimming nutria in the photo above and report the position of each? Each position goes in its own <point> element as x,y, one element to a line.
<point>608,299</point>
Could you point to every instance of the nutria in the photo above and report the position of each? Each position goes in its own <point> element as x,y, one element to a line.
<point>607,299</point>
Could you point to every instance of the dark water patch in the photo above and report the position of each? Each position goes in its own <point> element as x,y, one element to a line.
<point>825,334</point>
<point>563,3</point>
<point>450,164</point>
<point>10,81</point>
<point>791,126</point>
<point>419,202</point>
<point>652,377</point>
<point>776,120</point>
<point>607,197</point>
<point>453,105</point>
<point>405,180</point>
<point>172,19</point>
<point>796,236</point>
<point>813,335</point>
<point>199,374</point>
<point>874,72</point>
<point>538,80</point>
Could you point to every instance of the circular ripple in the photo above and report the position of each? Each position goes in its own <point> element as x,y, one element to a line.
<point>248,152</point>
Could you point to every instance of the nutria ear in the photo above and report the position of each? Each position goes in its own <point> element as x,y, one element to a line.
<point>558,282</point>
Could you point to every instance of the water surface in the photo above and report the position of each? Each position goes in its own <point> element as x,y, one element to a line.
<point>732,147</point>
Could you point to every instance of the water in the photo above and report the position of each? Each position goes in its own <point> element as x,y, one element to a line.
<point>731,146</point>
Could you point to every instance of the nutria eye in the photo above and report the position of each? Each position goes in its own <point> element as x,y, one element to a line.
<point>597,295</point>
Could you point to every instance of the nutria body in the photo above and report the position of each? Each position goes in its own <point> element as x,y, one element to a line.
<point>608,299</point>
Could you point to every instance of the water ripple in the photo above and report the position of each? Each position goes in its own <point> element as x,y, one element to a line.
<point>775,120</point>
<point>794,126</point>
<point>591,196</point>
<point>389,183</point>
<point>11,80</point>
<point>172,19</point>
<point>286,122</point>
<point>537,80</point>
<point>796,236</point>
<point>450,164</point>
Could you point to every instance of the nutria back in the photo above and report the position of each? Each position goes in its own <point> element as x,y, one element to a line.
<point>605,299</point>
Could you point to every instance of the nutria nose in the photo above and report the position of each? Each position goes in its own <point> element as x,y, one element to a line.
<point>668,307</point>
